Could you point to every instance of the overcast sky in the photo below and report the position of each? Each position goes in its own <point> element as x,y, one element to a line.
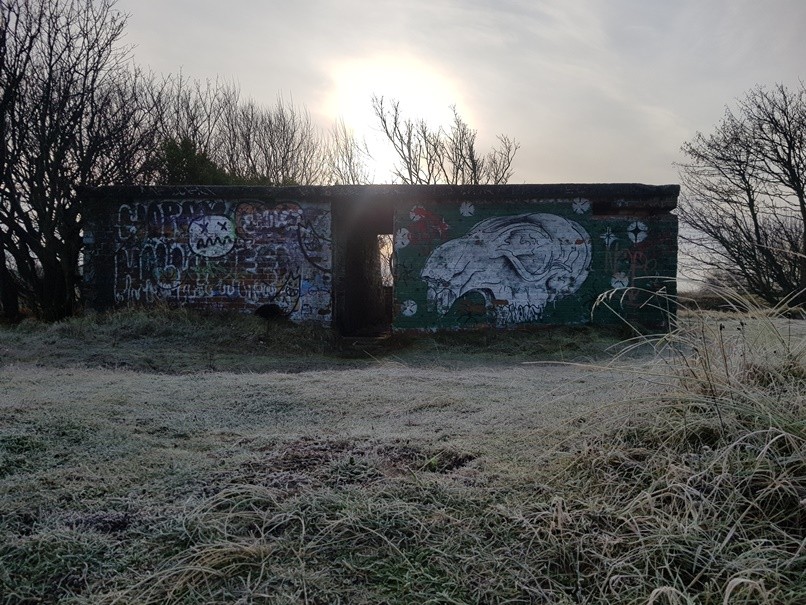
<point>594,90</point>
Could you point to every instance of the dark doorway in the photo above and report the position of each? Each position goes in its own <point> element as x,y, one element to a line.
<point>362,285</point>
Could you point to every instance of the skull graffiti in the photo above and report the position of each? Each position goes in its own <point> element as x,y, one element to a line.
<point>524,261</point>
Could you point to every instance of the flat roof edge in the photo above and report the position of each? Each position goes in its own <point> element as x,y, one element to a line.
<point>630,192</point>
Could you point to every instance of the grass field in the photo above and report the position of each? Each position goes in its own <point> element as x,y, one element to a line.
<point>167,457</point>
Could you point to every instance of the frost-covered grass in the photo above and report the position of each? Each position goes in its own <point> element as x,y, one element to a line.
<point>422,472</point>
<point>177,341</point>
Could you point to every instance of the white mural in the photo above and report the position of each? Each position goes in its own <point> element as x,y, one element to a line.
<point>519,264</point>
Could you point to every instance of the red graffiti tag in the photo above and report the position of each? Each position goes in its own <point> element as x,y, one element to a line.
<point>426,225</point>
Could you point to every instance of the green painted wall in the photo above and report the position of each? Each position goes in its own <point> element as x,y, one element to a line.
<point>463,264</point>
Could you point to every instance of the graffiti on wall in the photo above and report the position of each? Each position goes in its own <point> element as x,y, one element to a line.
<point>211,236</point>
<point>540,261</point>
<point>518,264</point>
<point>629,259</point>
<point>225,255</point>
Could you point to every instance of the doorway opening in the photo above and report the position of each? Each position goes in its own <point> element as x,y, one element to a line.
<point>363,282</point>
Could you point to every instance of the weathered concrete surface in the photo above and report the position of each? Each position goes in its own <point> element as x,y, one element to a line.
<point>466,256</point>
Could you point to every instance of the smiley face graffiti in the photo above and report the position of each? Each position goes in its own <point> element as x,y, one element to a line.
<point>212,236</point>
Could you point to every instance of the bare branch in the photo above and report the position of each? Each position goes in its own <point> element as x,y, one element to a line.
<point>429,156</point>
<point>347,157</point>
<point>75,113</point>
<point>745,193</point>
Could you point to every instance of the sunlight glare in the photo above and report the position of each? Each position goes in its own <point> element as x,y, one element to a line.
<point>423,91</point>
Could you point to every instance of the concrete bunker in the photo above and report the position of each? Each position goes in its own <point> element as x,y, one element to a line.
<point>462,256</point>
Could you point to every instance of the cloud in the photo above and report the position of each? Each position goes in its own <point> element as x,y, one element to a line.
<point>593,89</point>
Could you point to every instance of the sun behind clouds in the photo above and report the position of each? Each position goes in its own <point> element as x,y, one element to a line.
<point>422,89</point>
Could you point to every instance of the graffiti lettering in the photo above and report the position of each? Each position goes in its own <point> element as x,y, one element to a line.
<point>200,252</point>
<point>253,218</point>
<point>517,314</point>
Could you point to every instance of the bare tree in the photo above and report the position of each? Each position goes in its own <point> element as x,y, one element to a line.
<point>745,194</point>
<point>428,155</point>
<point>291,149</point>
<point>347,157</point>
<point>196,130</point>
<point>74,113</point>
<point>192,110</point>
<point>277,145</point>
<point>249,142</point>
<point>19,29</point>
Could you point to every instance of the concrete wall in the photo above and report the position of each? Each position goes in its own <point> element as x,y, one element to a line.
<point>465,256</point>
<point>216,248</point>
<point>535,255</point>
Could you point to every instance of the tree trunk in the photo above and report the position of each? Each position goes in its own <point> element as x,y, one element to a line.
<point>55,304</point>
<point>9,294</point>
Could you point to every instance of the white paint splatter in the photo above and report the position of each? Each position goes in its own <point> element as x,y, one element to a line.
<point>402,238</point>
<point>620,280</point>
<point>416,213</point>
<point>581,205</point>
<point>408,308</point>
<point>637,232</point>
